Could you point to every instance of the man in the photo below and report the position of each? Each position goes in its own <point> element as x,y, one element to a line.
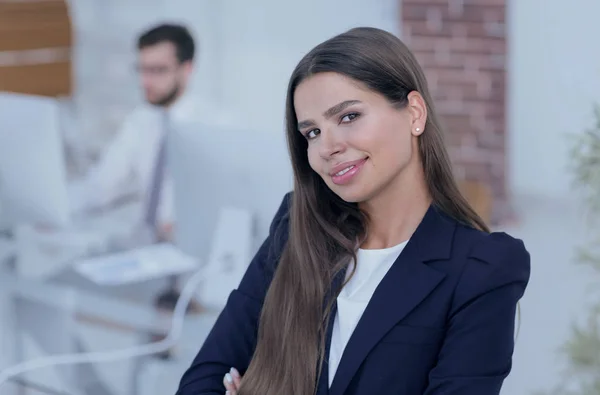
<point>134,163</point>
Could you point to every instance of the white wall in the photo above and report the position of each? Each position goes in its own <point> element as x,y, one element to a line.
<point>554,79</point>
<point>262,45</point>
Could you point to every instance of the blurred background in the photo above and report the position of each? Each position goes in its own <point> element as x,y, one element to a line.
<point>516,83</point>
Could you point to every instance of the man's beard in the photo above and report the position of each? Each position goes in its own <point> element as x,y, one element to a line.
<point>167,99</point>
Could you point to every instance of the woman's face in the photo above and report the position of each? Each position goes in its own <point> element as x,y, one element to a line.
<point>357,141</point>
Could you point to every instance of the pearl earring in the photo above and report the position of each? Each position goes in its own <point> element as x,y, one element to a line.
<point>417,130</point>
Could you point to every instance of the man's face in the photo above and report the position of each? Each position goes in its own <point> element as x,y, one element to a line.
<point>162,76</point>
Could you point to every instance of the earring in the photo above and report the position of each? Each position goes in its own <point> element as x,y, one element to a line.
<point>417,130</point>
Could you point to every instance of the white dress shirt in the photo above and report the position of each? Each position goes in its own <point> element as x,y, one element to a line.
<point>352,301</point>
<point>127,165</point>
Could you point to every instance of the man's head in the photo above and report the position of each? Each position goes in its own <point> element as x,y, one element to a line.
<point>166,54</point>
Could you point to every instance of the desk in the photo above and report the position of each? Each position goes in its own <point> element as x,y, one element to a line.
<point>43,253</point>
<point>51,309</point>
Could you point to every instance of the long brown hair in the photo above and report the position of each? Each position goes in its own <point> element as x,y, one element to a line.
<point>324,229</point>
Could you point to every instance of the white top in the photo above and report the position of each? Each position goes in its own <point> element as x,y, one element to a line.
<point>127,165</point>
<point>355,296</point>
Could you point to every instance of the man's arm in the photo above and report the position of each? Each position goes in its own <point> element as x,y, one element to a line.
<point>113,176</point>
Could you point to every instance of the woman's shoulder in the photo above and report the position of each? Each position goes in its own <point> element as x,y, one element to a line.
<point>492,247</point>
<point>492,259</point>
<point>280,228</point>
<point>281,219</point>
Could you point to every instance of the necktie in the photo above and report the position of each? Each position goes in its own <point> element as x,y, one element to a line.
<point>157,177</point>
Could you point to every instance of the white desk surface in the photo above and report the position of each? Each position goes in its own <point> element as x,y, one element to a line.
<point>127,309</point>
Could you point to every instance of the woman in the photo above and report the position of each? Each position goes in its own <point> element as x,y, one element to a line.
<point>429,306</point>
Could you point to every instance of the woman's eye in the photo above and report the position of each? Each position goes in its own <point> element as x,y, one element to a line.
<point>349,117</point>
<point>312,134</point>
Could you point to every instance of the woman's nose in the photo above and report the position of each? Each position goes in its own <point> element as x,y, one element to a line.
<point>330,144</point>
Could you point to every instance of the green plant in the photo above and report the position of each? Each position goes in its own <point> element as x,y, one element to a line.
<point>582,349</point>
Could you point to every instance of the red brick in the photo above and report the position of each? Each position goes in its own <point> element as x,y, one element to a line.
<point>417,11</point>
<point>458,60</point>
<point>484,13</point>
<point>501,3</point>
<point>468,91</point>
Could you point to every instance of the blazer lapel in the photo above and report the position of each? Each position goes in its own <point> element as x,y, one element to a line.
<point>323,381</point>
<point>406,284</point>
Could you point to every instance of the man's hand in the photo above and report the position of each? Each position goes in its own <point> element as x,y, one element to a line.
<point>45,228</point>
<point>232,382</point>
<point>165,232</point>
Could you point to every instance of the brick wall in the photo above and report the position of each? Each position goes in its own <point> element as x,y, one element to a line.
<point>461,45</point>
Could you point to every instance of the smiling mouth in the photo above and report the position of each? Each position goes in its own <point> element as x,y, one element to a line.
<point>345,175</point>
<point>346,170</point>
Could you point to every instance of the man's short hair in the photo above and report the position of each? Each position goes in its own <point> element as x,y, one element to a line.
<point>178,35</point>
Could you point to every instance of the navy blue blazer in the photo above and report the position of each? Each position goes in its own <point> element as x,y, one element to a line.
<point>440,322</point>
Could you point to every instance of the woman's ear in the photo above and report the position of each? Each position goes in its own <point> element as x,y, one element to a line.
<point>418,113</point>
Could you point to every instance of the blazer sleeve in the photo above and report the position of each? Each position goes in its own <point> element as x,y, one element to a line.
<point>232,340</point>
<point>476,355</point>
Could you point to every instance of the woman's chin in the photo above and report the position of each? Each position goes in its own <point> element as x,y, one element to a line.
<point>350,195</point>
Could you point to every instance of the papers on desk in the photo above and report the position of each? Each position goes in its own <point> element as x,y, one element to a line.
<point>137,265</point>
<point>45,253</point>
<point>42,254</point>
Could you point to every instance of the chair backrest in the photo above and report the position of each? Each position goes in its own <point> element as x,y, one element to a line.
<point>230,254</point>
<point>479,195</point>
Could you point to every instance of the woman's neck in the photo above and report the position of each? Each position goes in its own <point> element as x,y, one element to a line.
<point>396,212</point>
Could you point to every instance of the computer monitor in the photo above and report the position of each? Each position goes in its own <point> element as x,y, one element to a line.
<point>216,167</point>
<point>33,179</point>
